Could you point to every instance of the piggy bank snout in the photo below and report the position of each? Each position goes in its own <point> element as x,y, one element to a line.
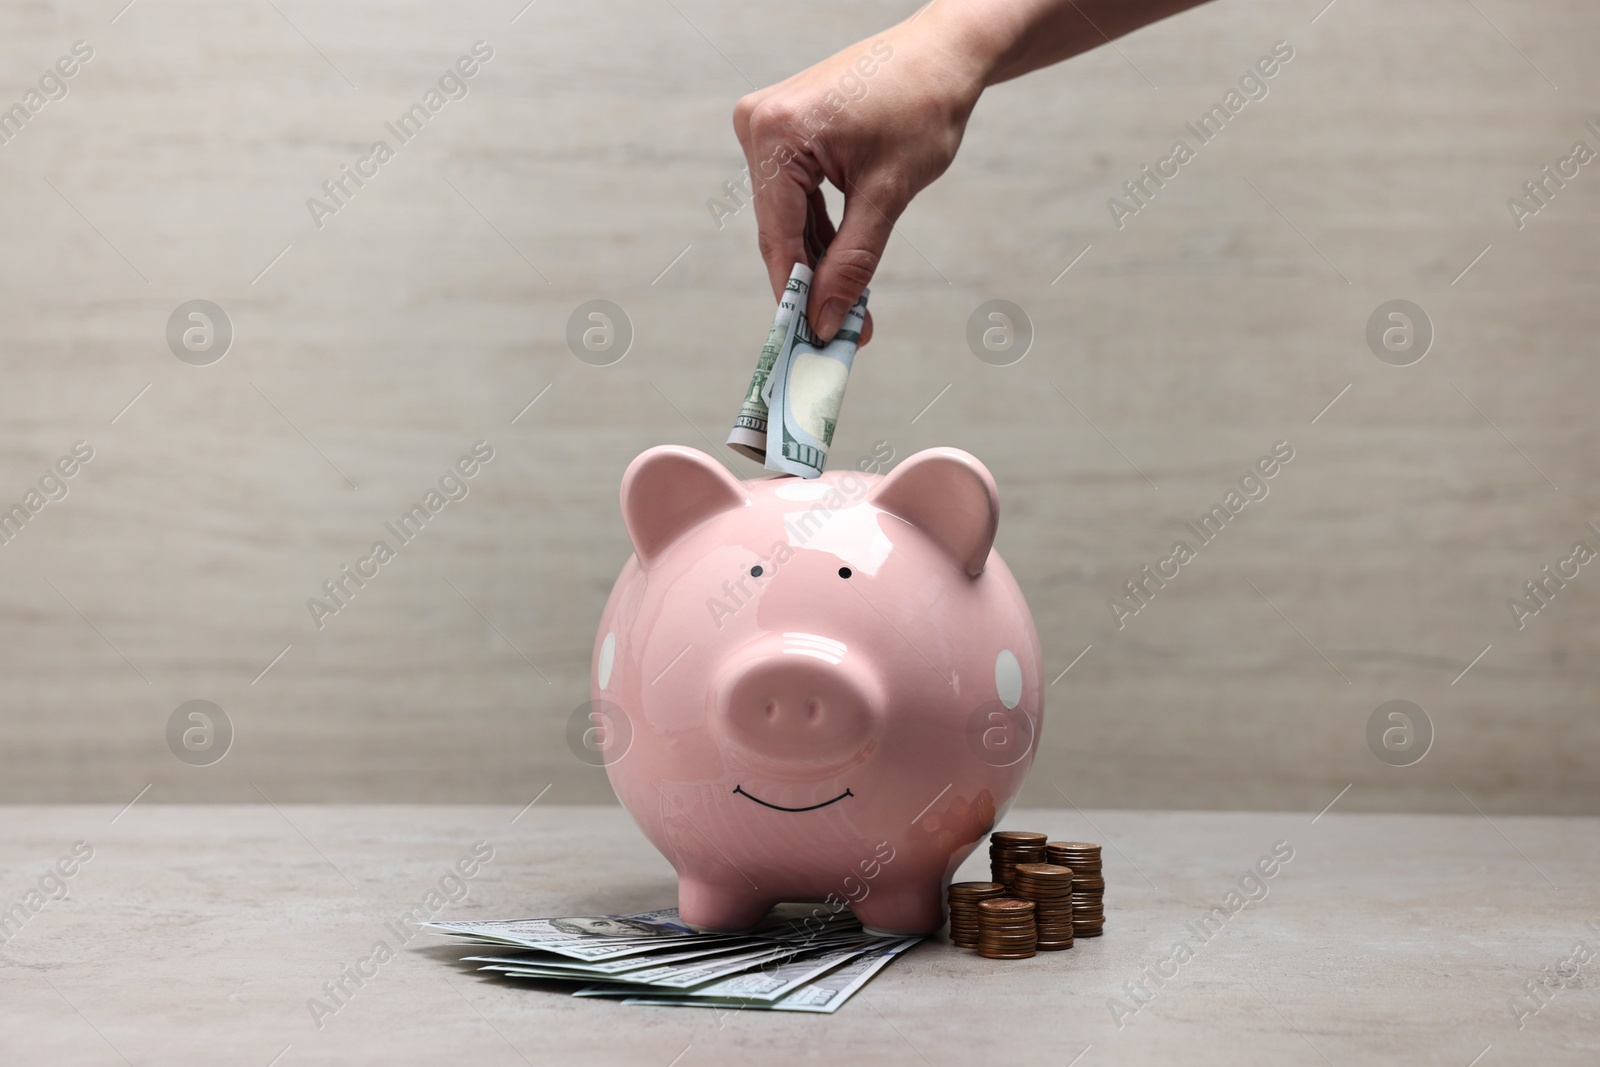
<point>800,700</point>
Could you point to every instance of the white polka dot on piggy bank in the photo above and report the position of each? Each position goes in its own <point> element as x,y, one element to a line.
<point>786,655</point>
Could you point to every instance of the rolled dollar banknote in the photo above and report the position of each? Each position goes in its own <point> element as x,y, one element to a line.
<point>789,412</point>
<point>805,391</point>
<point>749,434</point>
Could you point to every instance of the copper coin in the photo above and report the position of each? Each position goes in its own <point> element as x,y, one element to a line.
<point>1048,871</point>
<point>1000,907</point>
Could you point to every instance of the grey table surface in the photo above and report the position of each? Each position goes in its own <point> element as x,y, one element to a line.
<point>198,934</point>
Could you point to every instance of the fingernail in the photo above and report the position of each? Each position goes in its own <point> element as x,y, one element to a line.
<point>832,315</point>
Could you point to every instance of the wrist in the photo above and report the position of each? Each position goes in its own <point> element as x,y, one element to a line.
<point>987,41</point>
<point>960,56</point>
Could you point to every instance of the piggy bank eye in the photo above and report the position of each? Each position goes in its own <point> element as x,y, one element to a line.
<point>755,572</point>
<point>844,572</point>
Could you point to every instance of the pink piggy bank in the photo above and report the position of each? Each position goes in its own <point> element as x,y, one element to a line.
<point>815,690</point>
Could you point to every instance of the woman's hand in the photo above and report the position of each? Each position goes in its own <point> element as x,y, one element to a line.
<point>880,120</point>
<point>883,118</point>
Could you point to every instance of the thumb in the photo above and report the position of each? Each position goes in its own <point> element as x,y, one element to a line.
<point>849,264</point>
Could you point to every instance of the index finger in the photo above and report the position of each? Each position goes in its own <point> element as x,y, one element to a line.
<point>780,231</point>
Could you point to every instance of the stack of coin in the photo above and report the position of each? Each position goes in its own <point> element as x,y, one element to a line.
<point>1049,886</point>
<point>1007,848</point>
<point>1088,884</point>
<point>1006,930</point>
<point>964,900</point>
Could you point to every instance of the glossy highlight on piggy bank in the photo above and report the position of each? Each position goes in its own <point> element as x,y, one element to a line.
<point>815,690</point>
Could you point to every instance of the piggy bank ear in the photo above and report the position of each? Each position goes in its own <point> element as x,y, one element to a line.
<point>948,495</point>
<point>668,491</point>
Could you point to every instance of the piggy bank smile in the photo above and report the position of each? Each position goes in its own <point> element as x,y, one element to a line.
<point>739,789</point>
<point>831,688</point>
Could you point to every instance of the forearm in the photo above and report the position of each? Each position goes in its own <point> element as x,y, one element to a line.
<point>1004,39</point>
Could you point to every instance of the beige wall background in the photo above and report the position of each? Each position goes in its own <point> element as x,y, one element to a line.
<point>425,316</point>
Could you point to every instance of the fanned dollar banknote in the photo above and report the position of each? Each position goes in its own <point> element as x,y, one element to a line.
<point>802,958</point>
<point>789,413</point>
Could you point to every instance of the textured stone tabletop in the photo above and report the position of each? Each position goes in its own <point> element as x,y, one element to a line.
<point>200,934</point>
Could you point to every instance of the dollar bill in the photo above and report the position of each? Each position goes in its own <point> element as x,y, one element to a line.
<point>770,984</point>
<point>581,936</point>
<point>680,974</point>
<point>805,392</point>
<point>824,994</point>
<point>764,985</point>
<point>788,415</point>
<point>749,434</point>
<point>703,946</point>
<point>802,958</point>
<point>679,977</point>
<point>664,962</point>
<point>827,993</point>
